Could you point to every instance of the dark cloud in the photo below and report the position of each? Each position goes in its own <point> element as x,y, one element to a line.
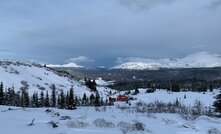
<point>214,4</point>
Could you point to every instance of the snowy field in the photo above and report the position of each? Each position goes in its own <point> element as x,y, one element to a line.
<point>161,95</point>
<point>206,98</point>
<point>110,120</point>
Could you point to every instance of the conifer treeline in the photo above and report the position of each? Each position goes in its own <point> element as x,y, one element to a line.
<point>56,99</point>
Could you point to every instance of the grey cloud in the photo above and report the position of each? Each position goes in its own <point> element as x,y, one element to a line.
<point>144,4</point>
<point>214,4</point>
<point>53,31</point>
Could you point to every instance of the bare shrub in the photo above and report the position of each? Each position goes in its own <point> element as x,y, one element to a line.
<point>102,123</point>
<point>77,124</point>
<point>213,131</point>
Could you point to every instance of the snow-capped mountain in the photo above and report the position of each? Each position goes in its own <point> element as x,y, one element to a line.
<point>69,65</point>
<point>15,74</point>
<point>197,60</point>
<point>137,66</point>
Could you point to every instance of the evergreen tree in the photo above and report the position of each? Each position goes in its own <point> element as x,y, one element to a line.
<point>24,94</point>
<point>18,99</point>
<point>136,91</point>
<point>175,87</point>
<point>97,100</point>
<point>77,101</point>
<point>101,101</point>
<point>67,100</point>
<point>35,101</point>
<point>53,95</point>
<point>42,99</point>
<point>71,100</point>
<point>1,94</point>
<point>92,98</point>
<point>84,99</point>
<point>5,97</point>
<point>11,96</point>
<point>62,100</point>
<point>59,101</point>
<point>47,102</point>
<point>24,99</point>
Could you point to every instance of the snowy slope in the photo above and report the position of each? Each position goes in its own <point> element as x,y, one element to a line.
<point>38,77</point>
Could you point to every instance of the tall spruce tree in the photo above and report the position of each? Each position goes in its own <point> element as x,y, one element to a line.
<point>62,100</point>
<point>24,99</point>
<point>92,98</point>
<point>84,99</point>
<point>11,96</point>
<point>18,99</point>
<point>42,99</point>
<point>1,94</point>
<point>47,101</point>
<point>97,100</point>
<point>71,99</point>
<point>35,101</point>
<point>53,95</point>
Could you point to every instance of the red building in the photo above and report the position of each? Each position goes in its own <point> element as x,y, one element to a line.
<point>122,98</point>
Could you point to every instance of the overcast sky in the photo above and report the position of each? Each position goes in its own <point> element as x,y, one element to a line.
<point>98,32</point>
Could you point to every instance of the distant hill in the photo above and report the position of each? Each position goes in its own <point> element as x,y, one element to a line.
<point>207,74</point>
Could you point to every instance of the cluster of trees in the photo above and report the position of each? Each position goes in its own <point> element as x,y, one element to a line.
<point>175,86</point>
<point>56,99</point>
<point>91,84</point>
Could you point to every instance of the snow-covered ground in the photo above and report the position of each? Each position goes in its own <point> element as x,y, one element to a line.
<point>206,98</point>
<point>110,120</point>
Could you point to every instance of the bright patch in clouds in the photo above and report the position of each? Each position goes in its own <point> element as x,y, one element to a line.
<point>81,59</point>
<point>72,65</point>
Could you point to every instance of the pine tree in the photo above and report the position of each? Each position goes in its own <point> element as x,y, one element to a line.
<point>136,91</point>
<point>18,99</point>
<point>101,101</point>
<point>1,94</point>
<point>35,101</point>
<point>24,99</point>
<point>24,94</point>
<point>92,97</point>
<point>47,102</point>
<point>53,95</point>
<point>62,100</point>
<point>67,100</point>
<point>59,101</point>
<point>97,100</point>
<point>11,96</point>
<point>71,100</point>
<point>42,99</point>
<point>84,99</point>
